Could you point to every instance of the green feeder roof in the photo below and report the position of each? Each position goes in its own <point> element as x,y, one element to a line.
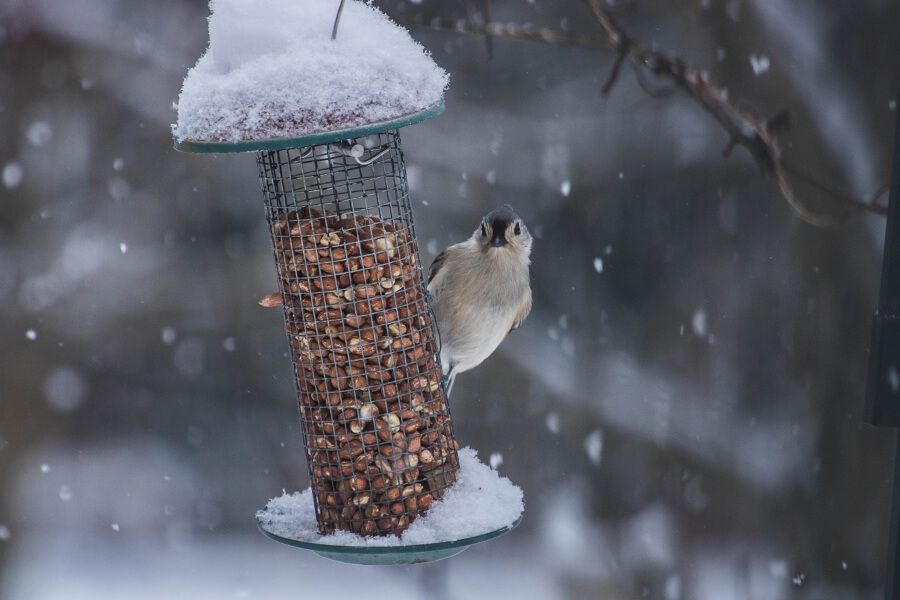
<point>323,137</point>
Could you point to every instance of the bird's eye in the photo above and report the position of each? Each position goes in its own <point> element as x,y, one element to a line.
<point>517,230</point>
<point>483,230</point>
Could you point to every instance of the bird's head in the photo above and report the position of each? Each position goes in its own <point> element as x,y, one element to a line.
<point>502,228</point>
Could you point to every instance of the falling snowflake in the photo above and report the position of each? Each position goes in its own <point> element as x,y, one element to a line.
<point>230,344</point>
<point>598,264</point>
<point>593,446</point>
<point>12,175</point>
<point>5,533</point>
<point>39,133</point>
<point>31,334</point>
<point>45,468</point>
<point>118,164</point>
<point>565,188</point>
<point>168,336</point>
<point>552,422</point>
<point>123,247</point>
<point>496,460</point>
<point>698,322</point>
<point>65,493</point>
<point>115,526</point>
<point>759,64</point>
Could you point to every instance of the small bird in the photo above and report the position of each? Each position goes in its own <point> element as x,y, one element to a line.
<point>480,291</point>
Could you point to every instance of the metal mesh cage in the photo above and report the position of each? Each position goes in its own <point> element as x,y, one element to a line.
<point>374,413</point>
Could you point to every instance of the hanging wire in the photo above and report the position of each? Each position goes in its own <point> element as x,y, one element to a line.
<point>337,19</point>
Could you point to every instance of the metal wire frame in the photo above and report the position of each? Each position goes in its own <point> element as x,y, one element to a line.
<point>376,423</point>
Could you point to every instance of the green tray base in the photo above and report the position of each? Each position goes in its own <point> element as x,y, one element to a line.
<point>312,139</point>
<point>390,555</point>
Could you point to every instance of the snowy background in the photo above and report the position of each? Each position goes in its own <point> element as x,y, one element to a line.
<point>682,408</point>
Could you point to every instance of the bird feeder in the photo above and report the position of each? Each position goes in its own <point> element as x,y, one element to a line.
<point>376,423</point>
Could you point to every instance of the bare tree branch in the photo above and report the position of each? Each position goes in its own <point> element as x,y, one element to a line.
<point>756,134</point>
<point>743,128</point>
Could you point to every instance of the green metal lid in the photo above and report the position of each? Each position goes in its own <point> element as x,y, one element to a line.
<point>312,139</point>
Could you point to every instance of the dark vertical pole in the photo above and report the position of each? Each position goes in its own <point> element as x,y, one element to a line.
<point>883,387</point>
<point>892,575</point>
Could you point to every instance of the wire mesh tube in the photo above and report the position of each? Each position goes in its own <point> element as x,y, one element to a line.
<point>375,418</point>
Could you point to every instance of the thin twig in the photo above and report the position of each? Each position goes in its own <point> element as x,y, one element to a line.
<point>872,205</point>
<point>488,41</point>
<point>507,31</point>
<point>614,74</point>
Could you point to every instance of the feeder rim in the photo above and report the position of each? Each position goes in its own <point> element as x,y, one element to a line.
<point>412,548</point>
<point>323,137</point>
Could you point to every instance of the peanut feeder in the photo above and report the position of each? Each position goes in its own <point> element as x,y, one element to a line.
<point>322,108</point>
<point>376,424</point>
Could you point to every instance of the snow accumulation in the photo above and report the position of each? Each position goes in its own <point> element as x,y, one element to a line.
<point>479,502</point>
<point>272,70</point>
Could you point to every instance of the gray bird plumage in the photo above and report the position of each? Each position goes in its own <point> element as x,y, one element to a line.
<point>481,291</point>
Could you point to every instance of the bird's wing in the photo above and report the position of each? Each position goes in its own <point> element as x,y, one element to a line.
<point>436,265</point>
<point>524,309</point>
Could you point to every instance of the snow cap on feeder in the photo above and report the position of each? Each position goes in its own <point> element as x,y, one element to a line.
<point>274,77</point>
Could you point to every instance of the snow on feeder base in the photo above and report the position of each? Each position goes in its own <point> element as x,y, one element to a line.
<point>480,506</point>
<point>376,424</point>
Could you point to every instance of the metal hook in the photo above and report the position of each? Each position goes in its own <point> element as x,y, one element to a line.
<point>365,163</point>
<point>337,19</point>
<point>356,152</point>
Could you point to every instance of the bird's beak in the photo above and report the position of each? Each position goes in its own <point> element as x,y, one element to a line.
<point>498,240</point>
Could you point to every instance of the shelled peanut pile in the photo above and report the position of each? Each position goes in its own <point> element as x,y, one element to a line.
<point>378,433</point>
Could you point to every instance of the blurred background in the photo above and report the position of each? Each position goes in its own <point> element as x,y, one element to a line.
<point>683,407</point>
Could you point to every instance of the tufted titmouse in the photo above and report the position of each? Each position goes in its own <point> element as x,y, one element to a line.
<point>480,290</point>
